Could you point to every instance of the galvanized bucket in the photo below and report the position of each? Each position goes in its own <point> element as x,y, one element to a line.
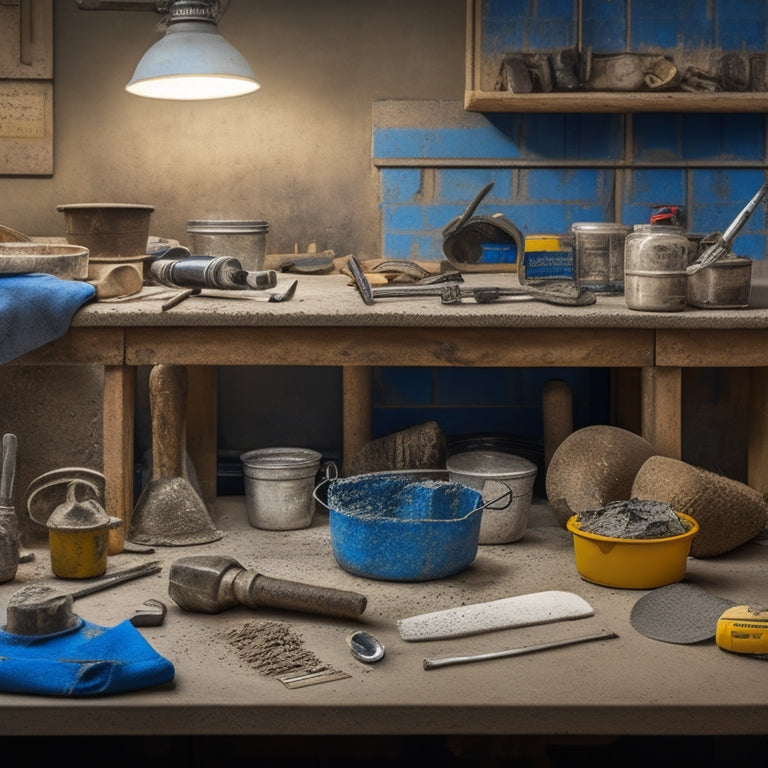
<point>489,472</point>
<point>279,486</point>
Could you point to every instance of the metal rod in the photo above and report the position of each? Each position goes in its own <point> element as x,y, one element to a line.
<point>450,660</point>
<point>118,577</point>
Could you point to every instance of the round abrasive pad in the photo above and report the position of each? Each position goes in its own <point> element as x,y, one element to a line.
<point>678,613</point>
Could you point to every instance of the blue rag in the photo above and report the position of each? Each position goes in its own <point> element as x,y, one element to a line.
<point>35,309</point>
<point>87,660</point>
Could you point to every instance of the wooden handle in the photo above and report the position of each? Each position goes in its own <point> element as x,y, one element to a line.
<point>167,402</point>
<point>255,590</point>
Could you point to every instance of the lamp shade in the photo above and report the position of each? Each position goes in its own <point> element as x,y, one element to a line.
<point>192,61</point>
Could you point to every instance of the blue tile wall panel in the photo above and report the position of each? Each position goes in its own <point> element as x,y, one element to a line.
<point>667,160</point>
<point>550,170</point>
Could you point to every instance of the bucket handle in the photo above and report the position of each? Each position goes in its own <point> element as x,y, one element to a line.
<point>506,497</point>
<point>330,471</point>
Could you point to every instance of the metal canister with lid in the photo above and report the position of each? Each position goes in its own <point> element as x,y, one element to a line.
<point>655,259</point>
<point>244,240</point>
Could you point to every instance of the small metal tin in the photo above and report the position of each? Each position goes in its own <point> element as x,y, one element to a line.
<point>725,284</point>
<point>546,257</point>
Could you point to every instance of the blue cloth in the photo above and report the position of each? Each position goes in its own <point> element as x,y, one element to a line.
<point>87,660</point>
<point>35,309</point>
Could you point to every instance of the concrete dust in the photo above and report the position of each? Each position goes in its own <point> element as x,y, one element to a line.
<point>272,648</point>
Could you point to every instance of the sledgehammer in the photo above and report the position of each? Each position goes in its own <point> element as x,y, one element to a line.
<point>213,583</point>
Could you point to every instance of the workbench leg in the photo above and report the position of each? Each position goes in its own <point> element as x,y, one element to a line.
<point>201,426</point>
<point>757,441</point>
<point>119,403</point>
<point>356,410</point>
<point>661,418</point>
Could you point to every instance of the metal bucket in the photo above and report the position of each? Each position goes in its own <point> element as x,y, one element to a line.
<point>491,473</point>
<point>279,486</point>
<point>244,240</point>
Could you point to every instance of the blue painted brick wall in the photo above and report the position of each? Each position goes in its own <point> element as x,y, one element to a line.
<point>550,170</point>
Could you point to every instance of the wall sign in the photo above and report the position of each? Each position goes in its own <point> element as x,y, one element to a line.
<point>26,87</point>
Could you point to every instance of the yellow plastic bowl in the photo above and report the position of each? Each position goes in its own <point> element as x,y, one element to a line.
<point>632,563</point>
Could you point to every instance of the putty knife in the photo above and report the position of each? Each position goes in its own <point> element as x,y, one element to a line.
<point>507,613</point>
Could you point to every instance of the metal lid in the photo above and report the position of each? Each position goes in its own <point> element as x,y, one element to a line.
<point>602,227</point>
<point>76,515</point>
<point>105,206</point>
<point>226,226</point>
<point>279,458</point>
<point>490,464</point>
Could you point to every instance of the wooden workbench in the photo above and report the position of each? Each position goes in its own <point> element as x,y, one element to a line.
<point>631,685</point>
<point>327,324</point>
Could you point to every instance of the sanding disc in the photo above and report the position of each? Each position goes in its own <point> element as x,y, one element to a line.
<point>678,613</point>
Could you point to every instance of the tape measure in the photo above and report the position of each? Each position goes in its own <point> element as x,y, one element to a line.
<point>743,629</point>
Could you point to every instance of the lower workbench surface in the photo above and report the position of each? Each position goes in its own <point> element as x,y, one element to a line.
<point>627,686</point>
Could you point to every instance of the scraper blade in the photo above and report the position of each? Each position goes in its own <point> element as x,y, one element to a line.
<point>506,613</point>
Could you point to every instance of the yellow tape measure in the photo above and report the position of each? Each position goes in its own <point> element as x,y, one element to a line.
<point>743,629</point>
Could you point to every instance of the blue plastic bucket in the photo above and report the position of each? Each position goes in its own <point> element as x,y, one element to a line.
<point>404,526</point>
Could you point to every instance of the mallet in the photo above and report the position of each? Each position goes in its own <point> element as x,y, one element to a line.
<point>213,583</point>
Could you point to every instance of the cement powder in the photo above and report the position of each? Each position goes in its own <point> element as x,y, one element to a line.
<point>633,519</point>
<point>272,648</point>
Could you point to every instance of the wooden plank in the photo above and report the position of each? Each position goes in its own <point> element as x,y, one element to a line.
<point>356,411</point>
<point>461,347</point>
<point>119,403</point>
<point>712,348</point>
<point>202,430</point>
<point>757,440</point>
<point>79,346</point>
<point>614,102</point>
<point>662,423</point>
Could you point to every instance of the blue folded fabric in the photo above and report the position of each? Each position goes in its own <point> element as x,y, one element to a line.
<point>35,309</point>
<point>87,660</point>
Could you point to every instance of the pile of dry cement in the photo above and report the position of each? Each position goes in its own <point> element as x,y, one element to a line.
<point>632,519</point>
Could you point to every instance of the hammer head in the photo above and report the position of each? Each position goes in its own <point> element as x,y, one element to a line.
<point>203,583</point>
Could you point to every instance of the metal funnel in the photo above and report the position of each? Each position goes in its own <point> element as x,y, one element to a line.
<point>169,511</point>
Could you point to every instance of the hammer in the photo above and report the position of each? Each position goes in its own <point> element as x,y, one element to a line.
<point>213,583</point>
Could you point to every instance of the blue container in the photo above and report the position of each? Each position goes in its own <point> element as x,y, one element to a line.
<point>403,526</point>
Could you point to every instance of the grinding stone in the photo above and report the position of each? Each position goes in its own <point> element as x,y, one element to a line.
<point>729,513</point>
<point>678,613</point>
<point>593,466</point>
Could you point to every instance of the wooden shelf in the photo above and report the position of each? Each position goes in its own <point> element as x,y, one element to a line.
<point>478,97</point>
<point>604,101</point>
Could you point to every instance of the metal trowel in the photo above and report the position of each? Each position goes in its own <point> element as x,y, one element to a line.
<point>169,511</point>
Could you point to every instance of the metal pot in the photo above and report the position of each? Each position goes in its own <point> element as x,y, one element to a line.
<point>412,525</point>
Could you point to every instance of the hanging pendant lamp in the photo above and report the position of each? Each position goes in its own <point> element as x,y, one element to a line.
<point>192,61</point>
